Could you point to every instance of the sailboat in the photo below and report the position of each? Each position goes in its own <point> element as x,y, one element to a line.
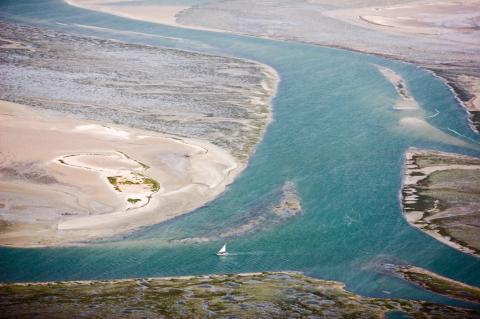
<point>223,250</point>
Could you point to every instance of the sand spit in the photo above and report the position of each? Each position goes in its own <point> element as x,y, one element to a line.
<point>406,101</point>
<point>65,181</point>
<point>440,196</point>
<point>439,284</point>
<point>433,18</point>
<point>428,280</point>
<point>248,295</point>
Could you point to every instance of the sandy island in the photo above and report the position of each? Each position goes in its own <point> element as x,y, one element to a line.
<point>66,181</point>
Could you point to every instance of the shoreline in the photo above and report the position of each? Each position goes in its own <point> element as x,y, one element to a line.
<point>437,283</point>
<point>135,186</point>
<point>453,86</point>
<point>169,19</point>
<point>209,171</point>
<point>430,212</point>
<point>181,277</point>
<point>273,74</point>
<point>244,295</point>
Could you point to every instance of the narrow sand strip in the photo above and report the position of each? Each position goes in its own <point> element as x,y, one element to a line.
<point>406,100</point>
<point>64,181</point>
<point>156,13</point>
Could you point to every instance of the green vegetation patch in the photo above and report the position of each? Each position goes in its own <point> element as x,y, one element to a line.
<point>441,285</point>
<point>154,185</point>
<point>133,200</point>
<point>435,159</point>
<point>266,295</point>
<point>114,181</point>
<point>137,179</point>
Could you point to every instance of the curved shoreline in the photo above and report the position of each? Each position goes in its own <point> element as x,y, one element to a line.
<point>439,199</point>
<point>456,87</point>
<point>247,108</point>
<point>209,170</point>
<point>455,80</point>
<point>168,19</point>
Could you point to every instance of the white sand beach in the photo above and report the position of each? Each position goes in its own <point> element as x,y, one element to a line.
<point>65,181</point>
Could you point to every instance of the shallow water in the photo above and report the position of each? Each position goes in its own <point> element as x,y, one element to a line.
<point>335,134</point>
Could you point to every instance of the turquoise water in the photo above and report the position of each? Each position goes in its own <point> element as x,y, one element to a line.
<point>335,134</point>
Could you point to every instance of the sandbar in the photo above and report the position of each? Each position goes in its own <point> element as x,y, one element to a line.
<point>66,181</point>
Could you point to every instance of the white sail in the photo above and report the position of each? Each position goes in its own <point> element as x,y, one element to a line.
<point>223,250</point>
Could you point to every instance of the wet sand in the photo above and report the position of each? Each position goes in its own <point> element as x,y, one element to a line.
<point>441,36</point>
<point>55,177</point>
<point>440,197</point>
<point>156,13</point>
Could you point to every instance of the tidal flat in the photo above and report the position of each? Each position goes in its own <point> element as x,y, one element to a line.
<point>223,100</point>
<point>249,295</point>
<point>201,117</point>
<point>441,36</point>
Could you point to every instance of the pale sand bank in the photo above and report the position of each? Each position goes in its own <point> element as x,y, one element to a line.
<point>56,178</point>
<point>156,13</point>
<point>452,24</point>
<point>420,127</point>
<point>406,100</point>
<point>450,20</point>
<point>164,14</point>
